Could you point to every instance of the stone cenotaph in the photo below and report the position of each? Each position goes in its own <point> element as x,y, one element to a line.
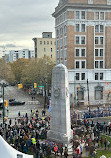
<point>60,122</point>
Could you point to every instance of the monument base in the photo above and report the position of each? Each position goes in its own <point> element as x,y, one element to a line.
<point>60,137</point>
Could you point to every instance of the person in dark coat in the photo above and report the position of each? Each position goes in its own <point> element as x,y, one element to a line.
<point>105,143</point>
<point>65,152</point>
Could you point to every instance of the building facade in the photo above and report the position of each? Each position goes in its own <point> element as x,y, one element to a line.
<point>45,46</point>
<point>17,54</point>
<point>83,44</point>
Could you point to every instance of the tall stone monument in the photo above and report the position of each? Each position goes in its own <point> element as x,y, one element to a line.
<point>60,123</point>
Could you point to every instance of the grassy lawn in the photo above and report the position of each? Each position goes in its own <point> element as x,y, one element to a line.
<point>107,153</point>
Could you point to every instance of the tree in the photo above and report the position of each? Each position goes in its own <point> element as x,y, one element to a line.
<point>17,67</point>
<point>39,71</point>
<point>5,71</point>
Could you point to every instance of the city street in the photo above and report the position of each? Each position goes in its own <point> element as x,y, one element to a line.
<point>12,92</point>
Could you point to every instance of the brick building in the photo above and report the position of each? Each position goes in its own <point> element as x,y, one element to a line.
<point>83,44</point>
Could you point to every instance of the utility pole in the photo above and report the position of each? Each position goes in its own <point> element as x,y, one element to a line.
<point>88,93</point>
<point>3,107</point>
<point>74,92</point>
<point>45,91</point>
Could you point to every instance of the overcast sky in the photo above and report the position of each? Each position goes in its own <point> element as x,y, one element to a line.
<point>21,20</point>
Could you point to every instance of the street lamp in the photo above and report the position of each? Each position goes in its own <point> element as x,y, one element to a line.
<point>74,91</point>
<point>2,85</point>
<point>88,93</point>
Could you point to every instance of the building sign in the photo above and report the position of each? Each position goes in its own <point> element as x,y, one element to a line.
<point>19,156</point>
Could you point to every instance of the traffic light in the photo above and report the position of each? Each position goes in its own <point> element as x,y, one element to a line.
<point>87,103</point>
<point>5,119</point>
<point>35,85</point>
<point>6,103</point>
<point>79,88</point>
<point>20,86</point>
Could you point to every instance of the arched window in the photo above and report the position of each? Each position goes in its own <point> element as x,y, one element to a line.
<point>98,93</point>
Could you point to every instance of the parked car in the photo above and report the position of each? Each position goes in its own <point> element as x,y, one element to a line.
<point>14,102</point>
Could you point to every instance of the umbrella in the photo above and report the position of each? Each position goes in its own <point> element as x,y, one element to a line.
<point>103,156</point>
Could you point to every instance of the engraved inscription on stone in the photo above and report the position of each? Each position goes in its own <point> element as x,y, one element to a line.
<point>56,92</point>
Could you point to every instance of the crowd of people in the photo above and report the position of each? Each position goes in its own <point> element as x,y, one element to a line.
<point>28,134</point>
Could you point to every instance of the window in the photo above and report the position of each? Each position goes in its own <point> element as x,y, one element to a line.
<point>65,15</point>
<point>61,31</point>
<point>77,14</point>
<point>82,27</point>
<point>83,52</point>
<point>77,28</point>
<point>90,1</point>
<point>65,54</point>
<point>101,52</point>
<point>82,40</point>
<point>57,33</point>
<point>101,40</point>
<point>65,41</point>
<point>96,40</point>
<point>65,29</point>
<point>77,40</point>
<point>51,49</point>
<point>44,42</point>
<point>51,42</point>
<point>82,14</point>
<point>80,52</point>
<point>77,64</point>
<point>61,53</point>
<point>77,52</point>
<point>40,42</point>
<point>99,64</point>
<point>57,54</point>
<point>77,76</point>
<point>98,93</point>
<point>99,15</point>
<point>96,52</point>
<point>99,76</point>
<point>82,76</point>
<point>47,42</point>
<point>80,64</point>
<point>61,43</point>
<point>57,44</point>
<point>44,49</point>
<point>101,28</point>
<point>96,64</point>
<point>108,2</point>
<point>97,28</point>
<point>80,93</point>
<point>83,64</point>
<point>96,76</point>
